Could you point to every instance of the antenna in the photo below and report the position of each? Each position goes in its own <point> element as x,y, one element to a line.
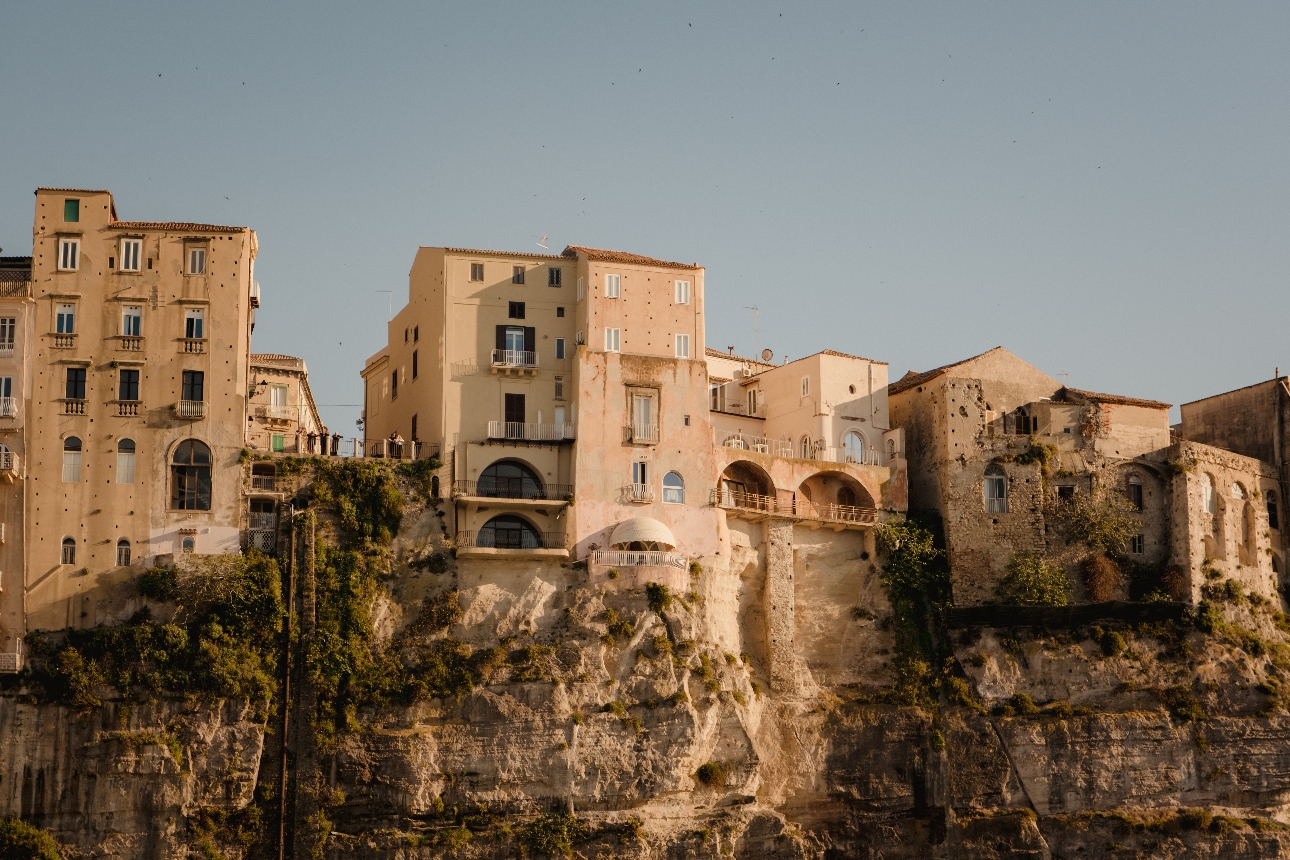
<point>1063,375</point>
<point>391,295</point>
<point>541,241</point>
<point>756,328</point>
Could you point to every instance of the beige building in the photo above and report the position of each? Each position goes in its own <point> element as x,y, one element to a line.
<point>283,414</point>
<point>16,311</point>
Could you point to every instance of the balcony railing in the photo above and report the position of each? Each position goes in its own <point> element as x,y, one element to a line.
<point>127,408</point>
<point>194,344</point>
<point>193,409</point>
<point>6,350</point>
<point>8,462</point>
<point>262,520</point>
<point>794,508</point>
<point>638,493</point>
<point>268,483</point>
<point>628,558</point>
<point>14,284</point>
<point>130,343</point>
<point>275,412</point>
<point>255,294</point>
<point>265,540</point>
<point>8,407</point>
<point>514,358</point>
<point>756,444</point>
<point>512,539</point>
<point>868,457</point>
<point>786,448</point>
<point>529,432</point>
<point>641,433</point>
<point>73,407</point>
<point>511,488</point>
<point>64,341</point>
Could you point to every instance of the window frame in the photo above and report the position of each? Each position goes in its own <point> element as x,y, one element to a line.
<point>74,380</point>
<point>126,315</point>
<point>194,471</point>
<point>477,272</point>
<point>613,286</point>
<point>682,346</point>
<point>559,349</point>
<point>73,448</point>
<point>554,276</point>
<point>613,336</point>
<point>69,261</point>
<point>65,314</point>
<point>678,491</point>
<point>515,310</point>
<point>67,550</point>
<point>194,254</point>
<point>517,275</point>
<point>806,386</point>
<point>125,461</point>
<point>682,295</point>
<point>195,321</point>
<point>8,334</point>
<point>122,385</point>
<point>995,477</point>
<point>192,381</point>
<point>72,206</point>
<point>123,544</point>
<point>414,364</point>
<point>128,245</point>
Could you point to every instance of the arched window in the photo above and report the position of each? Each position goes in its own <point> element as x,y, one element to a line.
<point>806,448</point>
<point>125,462</point>
<point>847,497</point>
<point>853,447</point>
<point>1274,521</point>
<point>69,550</point>
<point>190,477</point>
<point>673,489</point>
<point>508,479</point>
<point>71,460</point>
<point>188,544</point>
<point>122,553</point>
<point>1135,492</point>
<point>509,532</point>
<point>996,490</point>
<point>1207,493</point>
<point>1025,425</point>
<point>1238,491</point>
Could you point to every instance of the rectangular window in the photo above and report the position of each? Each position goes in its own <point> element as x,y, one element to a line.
<point>806,386</point>
<point>196,261</point>
<point>580,289</point>
<point>613,286</point>
<point>517,274</point>
<point>129,386</point>
<point>194,319</point>
<point>65,322</point>
<point>513,339</point>
<point>278,395</point>
<point>752,402</point>
<point>514,405</point>
<point>613,340</point>
<point>682,346</point>
<point>278,442</point>
<point>132,321</point>
<point>640,475</point>
<point>194,385</point>
<point>124,465</point>
<point>516,310</point>
<point>682,292</point>
<point>71,473</point>
<point>477,271</point>
<point>130,254</point>
<point>394,385</point>
<point>416,333</point>
<point>6,389</point>
<point>405,335</point>
<point>1137,544</point>
<point>414,364</point>
<point>559,388</point>
<point>75,389</point>
<point>559,348</point>
<point>553,277</point>
<point>8,330</point>
<point>69,254</point>
<point>559,312</point>
<point>71,210</point>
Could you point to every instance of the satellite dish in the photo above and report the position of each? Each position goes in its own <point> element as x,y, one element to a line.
<point>767,355</point>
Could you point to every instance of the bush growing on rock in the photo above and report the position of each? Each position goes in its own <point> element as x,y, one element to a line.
<point>21,841</point>
<point>157,583</point>
<point>554,834</point>
<point>711,774</point>
<point>659,597</point>
<point>1101,577</point>
<point>1033,580</point>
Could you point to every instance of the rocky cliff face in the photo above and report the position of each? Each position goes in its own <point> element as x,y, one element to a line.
<point>630,723</point>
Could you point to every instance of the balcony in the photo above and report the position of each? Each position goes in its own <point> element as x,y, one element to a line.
<point>627,558</point>
<point>6,350</point>
<point>530,432</point>
<point>265,540</point>
<point>785,448</point>
<point>128,408</point>
<point>868,457</point>
<point>255,294</point>
<point>641,434</point>
<point>15,284</point>
<point>262,520</point>
<point>512,488</point>
<point>73,406</point>
<point>8,407</point>
<point>64,341</point>
<point>514,358</point>
<point>264,483</point>
<point>756,444</point>
<point>638,494</point>
<point>194,410</point>
<point>9,465</point>
<point>129,344</point>
<point>193,344</point>
<point>518,545</point>
<point>276,412</point>
<point>756,507</point>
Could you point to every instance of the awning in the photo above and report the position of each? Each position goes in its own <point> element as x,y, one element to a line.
<point>644,530</point>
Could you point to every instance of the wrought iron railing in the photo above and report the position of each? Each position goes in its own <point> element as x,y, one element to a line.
<point>514,358</point>
<point>630,558</point>
<point>511,488</point>
<point>8,407</point>
<point>268,483</point>
<point>756,444</point>
<point>512,539</point>
<point>529,432</point>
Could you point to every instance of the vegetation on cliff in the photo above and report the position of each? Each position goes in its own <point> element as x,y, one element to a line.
<point>21,841</point>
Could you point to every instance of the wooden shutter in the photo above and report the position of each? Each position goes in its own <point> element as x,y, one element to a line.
<point>530,338</point>
<point>501,337</point>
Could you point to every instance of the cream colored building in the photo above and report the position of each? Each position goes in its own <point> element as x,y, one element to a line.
<point>16,312</point>
<point>283,413</point>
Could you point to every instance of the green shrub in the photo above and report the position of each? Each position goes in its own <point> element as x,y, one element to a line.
<point>22,841</point>
<point>659,597</point>
<point>711,774</point>
<point>1023,704</point>
<point>1033,580</point>
<point>1103,519</point>
<point>1101,577</point>
<point>157,583</point>
<point>553,834</point>
<point>1112,643</point>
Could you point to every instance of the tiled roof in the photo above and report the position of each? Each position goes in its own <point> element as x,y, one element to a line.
<point>75,190</point>
<point>910,379</point>
<point>504,253</point>
<point>1111,398</point>
<point>15,262</point>
<point>716,353</point>
<point>185,226</point>
<point>275,358</point>
<point>600,255</point>
<point>848,355</point>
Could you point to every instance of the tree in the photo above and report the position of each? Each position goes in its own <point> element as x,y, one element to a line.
<point>21,841</point>
<point>1103,519</point>
<point>1033,580</point>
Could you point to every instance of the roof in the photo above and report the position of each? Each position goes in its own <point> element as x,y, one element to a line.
<point>642,529</point>
<point>186,226</point>
<point>276,358</point>
<point>504,253</point>
<point>600,255</point>
<point>716,353</point>
<point>15,262</point>
<point>75,190</point>
<point>1113,399</point>
<point>910,379</point>
<point>1272,381</point>
<point>844,355</point>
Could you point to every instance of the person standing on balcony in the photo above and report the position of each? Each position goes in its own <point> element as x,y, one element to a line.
<point>335,444</point>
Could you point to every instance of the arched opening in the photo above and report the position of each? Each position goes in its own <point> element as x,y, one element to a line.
<point>71,460</point>
<point>833,495</point>
<point>1023,424</point>
<point>69,550</point>
<point>996,490</point>
<point>122,553</point>
<point>673,489</point>
<point>190,477</point>
<point>745,485</point>
<point>853,446</point>
<point>806,449</point>
<point>509,532</point>
<point>1274,521</point>
<point>1135,492</point>
<point>1207,494</point>
<point>125,461</point>
<point>509,479</point>
<point>1238,491</point>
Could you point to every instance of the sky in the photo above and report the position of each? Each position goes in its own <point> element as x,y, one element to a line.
<point>1099,187</point>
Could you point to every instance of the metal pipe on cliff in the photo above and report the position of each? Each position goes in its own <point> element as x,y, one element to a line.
<point>288,602</point>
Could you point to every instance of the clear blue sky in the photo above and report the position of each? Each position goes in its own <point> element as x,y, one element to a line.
<point>1102,188</point>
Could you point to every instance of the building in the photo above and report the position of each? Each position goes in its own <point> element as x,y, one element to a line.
<point>16,312</point>
<point>283,414</point>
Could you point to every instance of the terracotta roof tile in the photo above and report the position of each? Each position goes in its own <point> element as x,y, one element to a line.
<point>910,379</point>
<point>275,358</point>
<point>716,353</point>
<point>186,226</point>
<point>600,255</point>
<point>848,355</point>
<point>504,253</point>
<point>1111,398</point>
<point>75,190</point>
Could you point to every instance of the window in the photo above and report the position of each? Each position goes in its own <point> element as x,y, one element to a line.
<point>65,321</point>
<point>559,348</point>
<point>516,311</point>
<point>752,401</point>
<point>644,416</point>
<point>509,479</point>
<point>515,338</point>
<point>559,312</point>
<point>71,460</point>
<point>278,395</point>
<point>640,474</point>
<point>613,286</point>
<point>559,388</point>
<point>69,550</point>
<point>394,385</point>
<point>128,389</point>
<point>846,497</point>
<point>996,490</point>
<point>1137,544</point>
<point>188,544</point>
<point>194,323</point>
<point>682,346</point>
<point>804,448</point>
<point>685,419</point>
<point>132,321</point>
<point>1273,521</point>
<point>1024,425</point>
<point>517,274</point>
<point>69,254</point>
<point>1207,494</point>
<point>75,389</point>
<point>414,364</point>
<point>7,407</point>
<point>1135,492</point>
<point>190,477</point>
<point>122,553</point>
<point>513,404</point>
<point>125,461</point>
<point>477,271</point>
<point>196,261</point>
<point>130,254</point>
<point>405,335</point>
<point>612,340</point>
<point>71,210</point>
<point>806,386</point>
<point>682,292</point>
<point>509,532</point>
<point>1238,491</point>
<point>416,333</point>
<point>853,447</point>
<point>580,289</point>
<point>414,437</point>
<point>194,385</point>
<point>673,488</point>
<point>1065,492</point>
<point>553,276</point>
<point>8,328</point>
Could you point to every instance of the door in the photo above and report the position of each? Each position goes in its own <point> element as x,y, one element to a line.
<point>514,416</point>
